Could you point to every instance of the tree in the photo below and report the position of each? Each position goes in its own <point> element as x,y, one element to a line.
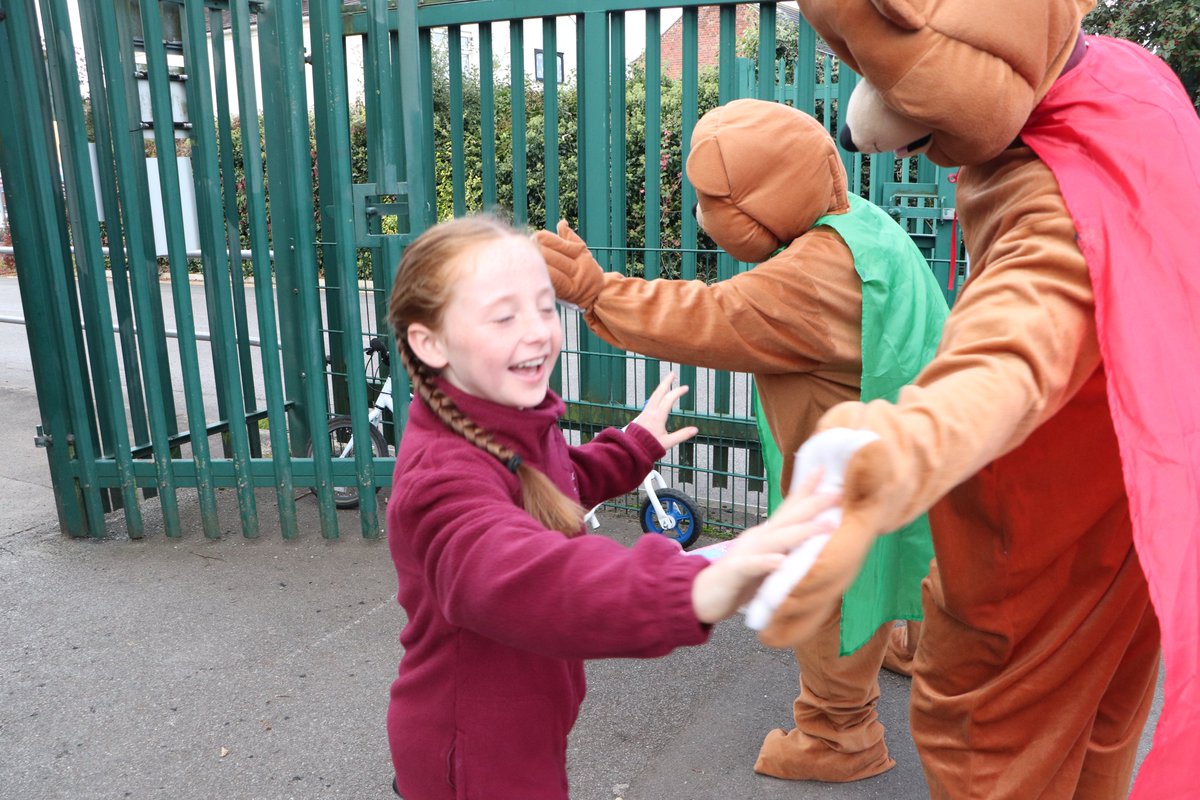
<point>1168,28</point>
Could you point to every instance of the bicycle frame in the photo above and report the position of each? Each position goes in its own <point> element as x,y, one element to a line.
<point>665,520</point>
<point>383,401</point>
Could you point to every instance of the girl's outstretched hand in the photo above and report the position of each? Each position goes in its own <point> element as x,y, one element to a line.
<point>654,415</point>
<point>729,582</point>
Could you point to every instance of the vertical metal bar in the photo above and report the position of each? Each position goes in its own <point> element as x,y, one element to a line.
<point>550,119</point>
<point>722,393</point>
<point>233,236</point>
<point>653,142</point>
<point>581,156</point>
<point>252,171</point>
<point>279,116</point>
<point>127,151</point>
<point>417,122</point>
<point>164,138</point>
<point>618,142</point>
<point>826,93</point>
<point>333,134</point>
<point>336,328</point>
<point>487,115</point>
<point>653,62</point>
<point>378,42</point>
<point>845,86</point>
<point>457,159</point>
<point>690,113</point>
<point>688,235</point>
<point>213,242</point>
<point>426,74</point>
<point>806,67</point>
<point>89,260</point>
<point>727,54</point>
<point>520,175</point>
<point>766,51</point>
<point>289,168</point>
<point>618,202</point>
<point>595,222</point>
<point>597,376</point>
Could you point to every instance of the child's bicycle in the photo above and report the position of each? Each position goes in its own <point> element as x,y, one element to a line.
<point>666,511</point>
<point>341,433</point>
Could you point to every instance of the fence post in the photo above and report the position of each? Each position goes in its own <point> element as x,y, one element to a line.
<point>40,242</point>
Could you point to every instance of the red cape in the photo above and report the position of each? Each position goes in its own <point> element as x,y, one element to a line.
<point>1123,141</point>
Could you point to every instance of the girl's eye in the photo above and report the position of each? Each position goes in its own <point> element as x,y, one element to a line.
<point>504,320</point>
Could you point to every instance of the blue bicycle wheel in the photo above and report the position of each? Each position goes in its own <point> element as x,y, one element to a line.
<point>689,521</point>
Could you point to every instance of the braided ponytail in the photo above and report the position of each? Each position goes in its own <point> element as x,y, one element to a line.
<point>420,293</point>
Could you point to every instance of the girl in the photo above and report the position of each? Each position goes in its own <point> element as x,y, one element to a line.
<point>504,596</point>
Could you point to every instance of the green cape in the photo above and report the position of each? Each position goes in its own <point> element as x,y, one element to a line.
<point>902,316</point>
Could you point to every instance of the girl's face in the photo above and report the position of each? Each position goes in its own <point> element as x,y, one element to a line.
<point>500,334</point>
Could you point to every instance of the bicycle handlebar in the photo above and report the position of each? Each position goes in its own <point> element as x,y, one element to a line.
<point>376,345</point>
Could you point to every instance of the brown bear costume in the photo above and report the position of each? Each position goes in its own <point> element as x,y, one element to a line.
<point>847,308</point>
<point>1056,434</point>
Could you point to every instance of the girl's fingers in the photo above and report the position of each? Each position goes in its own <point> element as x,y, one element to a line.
<point>678,437</point>
<point>784,531</point>
<point>762,564</point>
<point>660,390</point>
<point>668,401</point>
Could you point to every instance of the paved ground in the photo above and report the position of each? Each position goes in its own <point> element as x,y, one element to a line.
<point>259,669</point>
<point>198,669</point>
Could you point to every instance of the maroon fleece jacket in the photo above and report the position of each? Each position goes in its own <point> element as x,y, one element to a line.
<point>502,612</point>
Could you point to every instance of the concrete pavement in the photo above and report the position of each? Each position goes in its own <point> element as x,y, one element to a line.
<point>259,669</point>
<point>236,669</point>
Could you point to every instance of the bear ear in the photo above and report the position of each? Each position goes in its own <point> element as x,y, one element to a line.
<point>904,13</point>
<point>706,168</point>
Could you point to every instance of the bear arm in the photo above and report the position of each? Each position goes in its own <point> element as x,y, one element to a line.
<point>797,312</point>
<point>1018,344</point>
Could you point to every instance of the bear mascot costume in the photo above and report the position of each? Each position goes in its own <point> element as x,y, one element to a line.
<point>1055,436</point>
<point>842,306</point>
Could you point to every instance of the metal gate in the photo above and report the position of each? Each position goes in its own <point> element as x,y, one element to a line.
<point>134,394</point>
<point>171,355</point>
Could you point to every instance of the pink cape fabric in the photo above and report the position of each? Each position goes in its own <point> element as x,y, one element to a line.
<point>1123,141</point>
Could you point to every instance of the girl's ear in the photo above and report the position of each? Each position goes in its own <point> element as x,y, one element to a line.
<point>427,345</point>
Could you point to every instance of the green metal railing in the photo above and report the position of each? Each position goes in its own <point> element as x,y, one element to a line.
<point>288,251</point>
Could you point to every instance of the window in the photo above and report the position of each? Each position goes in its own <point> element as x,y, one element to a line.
<point>539,69</point>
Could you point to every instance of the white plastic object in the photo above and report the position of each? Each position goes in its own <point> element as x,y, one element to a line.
<point>830,450</point>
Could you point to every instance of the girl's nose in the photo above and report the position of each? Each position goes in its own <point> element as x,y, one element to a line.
<point>540,328</point>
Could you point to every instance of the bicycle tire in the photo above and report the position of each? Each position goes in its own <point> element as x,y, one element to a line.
<point>689,518</point>
<point>340,431</point>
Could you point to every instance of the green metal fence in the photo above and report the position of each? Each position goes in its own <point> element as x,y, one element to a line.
<point>196,354</point>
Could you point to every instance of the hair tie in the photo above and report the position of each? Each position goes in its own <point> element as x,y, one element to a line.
<point>513,463</point>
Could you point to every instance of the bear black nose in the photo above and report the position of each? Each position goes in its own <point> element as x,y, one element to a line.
<point>846,139</point>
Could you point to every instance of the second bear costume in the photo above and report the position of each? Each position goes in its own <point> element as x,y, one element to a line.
<point>847,309</point>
